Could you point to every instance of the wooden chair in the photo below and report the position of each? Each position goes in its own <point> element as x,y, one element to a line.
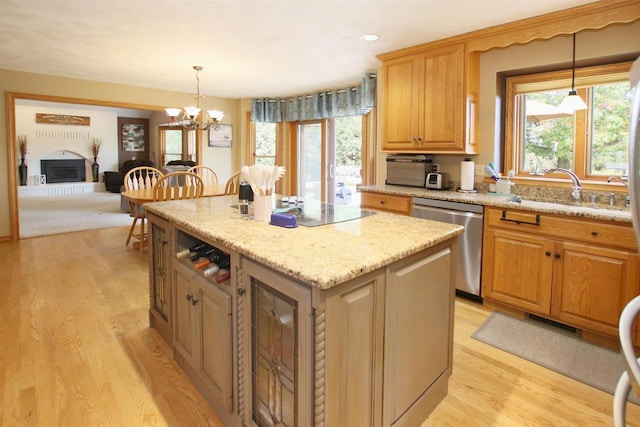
<point>233,184</point>
<point>208,175</point>
<point>178,186</point>
<point>143,177</point>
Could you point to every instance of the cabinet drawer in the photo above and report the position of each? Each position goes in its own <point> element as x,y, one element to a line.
<point>591,231</point>
<point>387,202</point>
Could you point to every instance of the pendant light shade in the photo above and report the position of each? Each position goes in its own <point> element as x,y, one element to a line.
<point>573,101</point>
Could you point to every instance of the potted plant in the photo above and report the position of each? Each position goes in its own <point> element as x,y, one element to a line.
<point>22,168</point>
<point>95,150</point>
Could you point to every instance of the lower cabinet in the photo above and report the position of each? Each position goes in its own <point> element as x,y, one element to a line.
<point>203,335</point>
<point>575,271</point>
<point>266,349</point>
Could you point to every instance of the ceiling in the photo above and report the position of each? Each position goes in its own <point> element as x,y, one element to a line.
<point>248,48</point>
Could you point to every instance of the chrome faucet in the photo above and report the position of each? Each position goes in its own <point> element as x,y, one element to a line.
<point>627,201</point>
<point>576,190</point>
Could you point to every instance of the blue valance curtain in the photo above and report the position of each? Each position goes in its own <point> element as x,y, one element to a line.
<point>320,105</point>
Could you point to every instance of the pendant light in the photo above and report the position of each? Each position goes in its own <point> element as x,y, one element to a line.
<point>573,101</point>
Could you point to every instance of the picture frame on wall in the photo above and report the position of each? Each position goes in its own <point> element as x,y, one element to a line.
<point>222,137</point>
<point>133,138</point>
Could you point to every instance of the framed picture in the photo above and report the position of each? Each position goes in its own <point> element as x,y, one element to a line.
<point>222,137</point>
<point>132,137</point>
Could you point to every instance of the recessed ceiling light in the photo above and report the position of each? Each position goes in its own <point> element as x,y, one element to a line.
<point>369,37</point>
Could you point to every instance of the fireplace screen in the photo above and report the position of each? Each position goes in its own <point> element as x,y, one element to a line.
<point>71,170</point>
<point>274,323</point>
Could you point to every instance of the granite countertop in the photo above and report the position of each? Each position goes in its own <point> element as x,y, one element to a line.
<point>586,210</point>
<point>322,256</point>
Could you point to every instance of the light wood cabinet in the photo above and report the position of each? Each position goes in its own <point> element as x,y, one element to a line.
<point>387,202</point>
<point>429,101</point>
<point>203,335</point>
<point>576,271</point>
<point>160,306</point>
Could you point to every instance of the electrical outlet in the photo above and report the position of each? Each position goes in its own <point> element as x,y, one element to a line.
<point>435,167</point>
<point>478,170</point>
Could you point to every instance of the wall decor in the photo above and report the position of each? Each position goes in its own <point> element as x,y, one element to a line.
<point>222,137</point>
<point>63,119</point>
<point>132,137</point>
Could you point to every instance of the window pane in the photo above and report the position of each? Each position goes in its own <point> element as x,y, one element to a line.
<point>265,139</point>
<point>348,159</point>
<point>548,132</point>
<point>173,141</point>
<point>610,129</point>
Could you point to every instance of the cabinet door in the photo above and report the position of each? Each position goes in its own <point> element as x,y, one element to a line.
<point>592,285</point>
<point>213,313</point>
<point>441,106</point>
<point>353,339</point>
<point>418,332</point>
<point>400,104</point>
<point>517,270</point>
<point>184,326</point>
<point>159,277</point>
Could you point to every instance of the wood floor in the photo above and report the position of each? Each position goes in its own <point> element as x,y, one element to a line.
<point>76,350</point>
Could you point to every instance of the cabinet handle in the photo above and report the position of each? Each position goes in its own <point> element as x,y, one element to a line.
<point>164,242</point>
<point>557,256</point>
<point>594,233</point>
<point>189,297</point>
<point>194,301</point>
<point>517,221</point>
<point>548,253</point>
<point>241,291</point>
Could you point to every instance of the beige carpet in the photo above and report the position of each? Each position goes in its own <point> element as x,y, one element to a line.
<point>555,349</point>
<point>44,215</point>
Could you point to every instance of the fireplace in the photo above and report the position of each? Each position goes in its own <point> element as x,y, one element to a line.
<point>72,170</point>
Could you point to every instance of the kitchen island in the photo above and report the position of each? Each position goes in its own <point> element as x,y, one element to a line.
<point>340,324</point>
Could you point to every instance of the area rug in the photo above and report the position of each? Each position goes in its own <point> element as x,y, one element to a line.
<point>554,349</point>
<point>45,215</point>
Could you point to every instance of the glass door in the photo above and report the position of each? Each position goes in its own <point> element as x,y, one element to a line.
<point>330,160</point>
<point>310,161</point>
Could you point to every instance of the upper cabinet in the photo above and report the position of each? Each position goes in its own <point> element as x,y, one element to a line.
<point>429,101</point>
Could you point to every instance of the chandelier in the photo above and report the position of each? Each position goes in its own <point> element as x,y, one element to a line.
<point>190,118</point>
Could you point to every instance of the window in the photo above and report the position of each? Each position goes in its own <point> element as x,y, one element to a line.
<point>265,144</point>
<point>592,143</point>
<point>176,144</point>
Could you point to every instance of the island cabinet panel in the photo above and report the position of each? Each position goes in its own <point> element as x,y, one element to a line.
<point>160,277</point>
<point>418,358</point>
<point>203,322</point>
<point>203,336</point>
<point>579,272</point>
<point>277,364</point>
<point>353,349</point>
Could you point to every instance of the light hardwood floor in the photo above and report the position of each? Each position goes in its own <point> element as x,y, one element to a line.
<point>76,350</point>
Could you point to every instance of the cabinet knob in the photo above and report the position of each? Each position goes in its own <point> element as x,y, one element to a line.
<point>194,301</point>
<point>189,296</point>
<point>557,256</point>
<point>548,253</point>
<point>382,202</point>
<point>241,291</point>
<point>594,233</point>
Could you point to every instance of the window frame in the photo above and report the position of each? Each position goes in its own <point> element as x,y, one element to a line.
<point>536,82</point>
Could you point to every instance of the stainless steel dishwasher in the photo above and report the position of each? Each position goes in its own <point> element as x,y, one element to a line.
<point>469,244</point>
